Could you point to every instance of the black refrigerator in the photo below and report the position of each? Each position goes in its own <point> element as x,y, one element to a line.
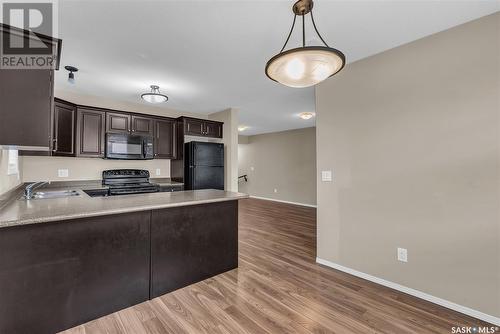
<point>203,165</point>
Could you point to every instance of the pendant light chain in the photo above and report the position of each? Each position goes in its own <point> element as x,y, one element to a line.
<point>303,30</point>
<point>316,29</point>
<point>289,34</point>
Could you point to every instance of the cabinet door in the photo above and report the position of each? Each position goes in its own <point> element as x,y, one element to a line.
<point>142,125</point>
<point>213,129</point>
<point>192,243</point>
<point>117,123</point>
<point>193,127</point>
<point>90,133</point>
<point>165,139</point>
<point>25,107</point>
<point>55,276</point>
<point>63,129</point>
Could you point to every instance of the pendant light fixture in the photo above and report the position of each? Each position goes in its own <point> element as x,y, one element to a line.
<point>154,96</point>
<point>71,74</point>
<point>306,65</point>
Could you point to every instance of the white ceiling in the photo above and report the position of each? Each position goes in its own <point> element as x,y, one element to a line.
<point>210,55</point>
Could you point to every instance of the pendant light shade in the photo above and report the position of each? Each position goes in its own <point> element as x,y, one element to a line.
<point>71,74</point>
<point>155,96</point>
<point>307,65</point>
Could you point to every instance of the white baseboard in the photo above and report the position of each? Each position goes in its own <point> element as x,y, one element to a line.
<point>419,294</point>
<point>287,202</point>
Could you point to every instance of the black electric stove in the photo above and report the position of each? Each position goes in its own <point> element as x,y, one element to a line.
<point>128,181</point>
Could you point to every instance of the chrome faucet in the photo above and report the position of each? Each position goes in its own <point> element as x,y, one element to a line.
<point>28,190</point>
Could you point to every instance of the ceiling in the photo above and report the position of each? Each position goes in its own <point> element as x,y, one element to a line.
<point>210,55</point>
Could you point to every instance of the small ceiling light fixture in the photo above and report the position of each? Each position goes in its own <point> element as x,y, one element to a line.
<point>306,115</point>
<point>154,96</point>
<point>71,74</point>
<point>306,65</point>
<point>242,128</point>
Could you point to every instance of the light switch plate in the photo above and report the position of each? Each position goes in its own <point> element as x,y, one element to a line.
<point>158,171</point>
<point>326,176</point>
<point>252,168</point>
<point>402,254</point>
<point>62,173</point>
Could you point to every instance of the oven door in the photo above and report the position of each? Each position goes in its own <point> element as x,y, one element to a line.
<point>124,146</point>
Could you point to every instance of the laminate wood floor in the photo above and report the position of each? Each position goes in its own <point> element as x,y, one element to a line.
<point>278,288</point>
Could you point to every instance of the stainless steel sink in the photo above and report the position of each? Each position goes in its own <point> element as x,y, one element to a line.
<point>54,194</point>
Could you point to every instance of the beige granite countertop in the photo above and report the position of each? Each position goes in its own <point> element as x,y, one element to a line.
<point>165,182</point>
<point>21,212</point>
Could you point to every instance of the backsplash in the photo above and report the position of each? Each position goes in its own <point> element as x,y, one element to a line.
<point>8,179</point>
<point>55,168</point>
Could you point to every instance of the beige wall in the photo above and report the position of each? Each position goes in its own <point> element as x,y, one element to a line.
<point>230,140</point>
<point>7,181</point>
<point>45,168</point>
<point>285,161</point>
<point>412,137</point>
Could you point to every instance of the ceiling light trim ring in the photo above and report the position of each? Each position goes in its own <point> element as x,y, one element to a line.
<point>307,48</point>
<point>155,91</point>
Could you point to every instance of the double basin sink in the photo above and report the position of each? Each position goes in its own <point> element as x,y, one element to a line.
<point>53,194</point>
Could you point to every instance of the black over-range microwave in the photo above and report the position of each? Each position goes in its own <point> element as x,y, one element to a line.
<point>129,147</point>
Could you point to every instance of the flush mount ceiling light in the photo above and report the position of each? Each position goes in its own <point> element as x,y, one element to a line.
<point>154,96</point>
<point>306,115</point>
<point>242,128</point>
<point>71,74</point>
<point>306,65</point>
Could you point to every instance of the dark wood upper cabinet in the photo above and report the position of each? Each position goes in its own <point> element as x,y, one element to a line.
<point>193,127</point>
<point>26,98</point>
<point>165,138</point>
<point>213,129</point>
<point>201,127</point>
<point>142,125</point>
<point>90,133</point>
<point>26,106</point>
<point>63,128</point>
<point>117,122</point>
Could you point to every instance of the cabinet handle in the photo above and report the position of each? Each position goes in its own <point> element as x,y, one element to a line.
<point>55,145</point>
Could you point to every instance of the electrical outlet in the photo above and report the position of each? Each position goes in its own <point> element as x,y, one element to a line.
<point>326,176</point>
<point>402,254</point>
<point>252,168</point>
<point>62,173</point>
<point>158,171</point>
<point>275,190</point>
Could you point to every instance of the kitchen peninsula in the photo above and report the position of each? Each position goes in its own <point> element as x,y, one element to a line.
<point>65,261</point>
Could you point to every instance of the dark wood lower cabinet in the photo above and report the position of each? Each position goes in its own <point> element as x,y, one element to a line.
<point>54,276</point>
<point>192,243</point>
